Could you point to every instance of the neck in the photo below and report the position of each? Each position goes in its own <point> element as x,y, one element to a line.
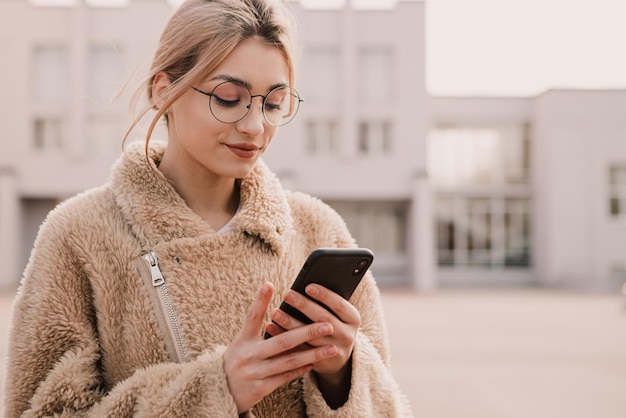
<point>215,199</point>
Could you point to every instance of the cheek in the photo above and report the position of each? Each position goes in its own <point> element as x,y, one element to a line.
<point>192,114</point>
<point>271,134</point>
<point>201,129</point>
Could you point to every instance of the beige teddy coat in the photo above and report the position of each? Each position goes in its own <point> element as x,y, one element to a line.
<point>88,335</point>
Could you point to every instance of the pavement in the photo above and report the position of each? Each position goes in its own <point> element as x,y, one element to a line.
<point>514,353</point>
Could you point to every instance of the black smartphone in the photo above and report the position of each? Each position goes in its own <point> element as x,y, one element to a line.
<point>338,269</point>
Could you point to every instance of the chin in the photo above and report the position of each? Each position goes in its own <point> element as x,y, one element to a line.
<point>239,172</point>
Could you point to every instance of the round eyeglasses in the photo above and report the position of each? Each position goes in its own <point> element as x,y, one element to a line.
<point>230,102</point>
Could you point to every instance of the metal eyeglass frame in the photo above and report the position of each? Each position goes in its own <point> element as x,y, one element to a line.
<point>249,105</point>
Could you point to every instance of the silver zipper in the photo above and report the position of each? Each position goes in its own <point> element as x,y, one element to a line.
<point>158,281</point>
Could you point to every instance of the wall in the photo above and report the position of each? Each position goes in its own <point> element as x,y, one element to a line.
<point>578,134</point>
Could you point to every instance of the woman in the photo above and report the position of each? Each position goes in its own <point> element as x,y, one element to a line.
<point>149,295</point>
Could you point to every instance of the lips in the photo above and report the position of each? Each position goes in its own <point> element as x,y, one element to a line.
<point>243,150</point>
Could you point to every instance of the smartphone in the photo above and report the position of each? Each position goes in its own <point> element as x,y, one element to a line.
<point>338,269</point>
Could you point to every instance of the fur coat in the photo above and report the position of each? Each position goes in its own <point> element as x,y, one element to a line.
<point>90,336</point>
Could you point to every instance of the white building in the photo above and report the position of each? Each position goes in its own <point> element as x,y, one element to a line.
<point>446,191</point>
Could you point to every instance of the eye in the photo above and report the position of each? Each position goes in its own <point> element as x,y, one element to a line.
<point>276,98</point>
<point>272,106</point>
<point>230,94</point>
<point>226,102</point>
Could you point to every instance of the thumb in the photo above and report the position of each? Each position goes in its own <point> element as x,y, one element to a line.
<point>256,314</point>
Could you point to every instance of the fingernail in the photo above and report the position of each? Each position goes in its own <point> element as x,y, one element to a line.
<point>312,290</point>
<point>278,315</point>
<point>325,329</point>
<point>330,350</point>
<point>288,296</point>
<point>266,288</point>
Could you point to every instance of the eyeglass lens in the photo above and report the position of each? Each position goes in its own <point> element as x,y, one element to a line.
<point>230,102</point>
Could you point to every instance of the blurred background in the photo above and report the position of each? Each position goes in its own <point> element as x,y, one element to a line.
<point>477,147</point>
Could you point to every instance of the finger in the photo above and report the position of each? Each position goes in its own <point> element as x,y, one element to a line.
<point>337,309</point>
<point>272,329</point>
<point>278,380</point>
<point>256,313</point>
<point>287,322</point>
<point>288,340</point>
<point>310,308</point>
<point>295,360</point>
<point>284,320</point>
<point>343,309</point>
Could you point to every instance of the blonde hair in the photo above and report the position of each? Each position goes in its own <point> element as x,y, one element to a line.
<point>200,35</point>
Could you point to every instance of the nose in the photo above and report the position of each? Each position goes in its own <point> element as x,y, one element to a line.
<point>254,122</point>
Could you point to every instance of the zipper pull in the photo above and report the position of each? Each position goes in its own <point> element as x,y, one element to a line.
<point>155,271</point>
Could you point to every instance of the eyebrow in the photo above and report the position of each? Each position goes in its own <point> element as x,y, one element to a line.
<point>234,79</point>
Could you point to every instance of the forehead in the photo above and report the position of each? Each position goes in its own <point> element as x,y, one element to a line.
<point>255,62</point>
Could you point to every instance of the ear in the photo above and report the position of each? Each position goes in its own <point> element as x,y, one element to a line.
<point>160,86</point>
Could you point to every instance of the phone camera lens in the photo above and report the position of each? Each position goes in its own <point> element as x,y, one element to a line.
<point>359,266</point>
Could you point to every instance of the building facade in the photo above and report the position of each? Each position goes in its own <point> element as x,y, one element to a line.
<point>446,191</point>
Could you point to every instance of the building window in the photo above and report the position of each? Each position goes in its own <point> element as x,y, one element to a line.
<point>71,3</point>
<point>617,191</point>
<point>322,137</point>
<point>51,74</point>
<point>106,73</point>
<point>53,3</point>
<point>479,232</point>
<point>105,134</point>
<point>322,74</point>
<point>471,156</point>
<point>48,133</point>
<point>375,137</point>
<point>483,204</point>
<point>517,232</point>
<point>375,76</point>
<point>379,226</point>
<point>108,4</point>
<point>487,231</point>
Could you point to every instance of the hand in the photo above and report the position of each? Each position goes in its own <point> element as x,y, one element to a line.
<point>345,326</point>
<point>255,367</point>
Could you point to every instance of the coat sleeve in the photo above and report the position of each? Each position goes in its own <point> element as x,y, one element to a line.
<point>54,357</point>
<point>374,392</point>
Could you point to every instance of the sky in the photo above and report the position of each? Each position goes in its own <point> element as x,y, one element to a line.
<point>524,47</point>
<point>511,47</point>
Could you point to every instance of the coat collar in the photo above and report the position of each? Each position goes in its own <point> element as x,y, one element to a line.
<point>157,213</point>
